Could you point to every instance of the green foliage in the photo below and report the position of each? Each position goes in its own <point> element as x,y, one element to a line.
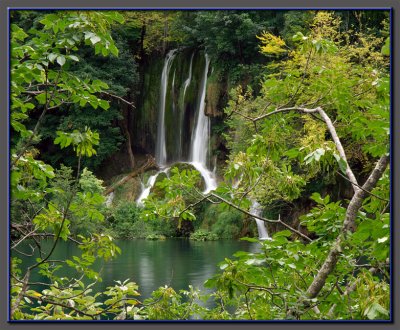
<point>126,222</point>
<point>312,73</point>
<point>277,153</point>
<point>242,43</point>
<point>81,142</point>
<point>41,82</point>
<point>173,201</point>
<point>155,237</point>
<point>326,219</point>
<point>71,66</point>
<point>226,223</point>
<point>386,47</point>
<point>203,235</point>
<point>84,199</point>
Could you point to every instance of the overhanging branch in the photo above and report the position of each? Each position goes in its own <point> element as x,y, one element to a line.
<point>348,225</point>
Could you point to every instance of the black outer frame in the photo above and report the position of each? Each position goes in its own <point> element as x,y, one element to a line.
<point>7,5</point>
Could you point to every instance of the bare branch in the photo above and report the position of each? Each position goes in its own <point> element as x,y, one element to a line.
<point>331,129</point>
<point>339,147</point>
<point>52,235</point>
<point>279,110</point>
<point>261,218</point>
<point>368,192</point>
<point>23,238</point>
<point>118,98</point>
<point>25,281</point>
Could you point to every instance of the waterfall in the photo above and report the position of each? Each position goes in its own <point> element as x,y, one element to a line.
<point>201,136</point>
<point>146,188</point>
<point>202,130</point>
<point>187,81</point>
<point>161,152</point>
<point>149,185</point>
<point>182,108</point>
<point>109,199</point>
<point>262,230</point>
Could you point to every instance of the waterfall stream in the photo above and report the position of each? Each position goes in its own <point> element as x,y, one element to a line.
<point>201,137</point>
<point>109,199</point>
<point>161,150</point>
<point>149,184</point>
<point>175,106</point>
<point>201,133</point>
<point>182,107</point>
<point>187,81</point>
<point>262,230</point>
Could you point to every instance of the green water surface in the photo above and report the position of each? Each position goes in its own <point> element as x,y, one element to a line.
<point>151,264</point>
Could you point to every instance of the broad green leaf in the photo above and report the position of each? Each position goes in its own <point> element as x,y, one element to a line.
<point>375,310</point>
<point>94,39</point>
<point>52,57</point>
<point>74,58</point>
<point>61,60</point>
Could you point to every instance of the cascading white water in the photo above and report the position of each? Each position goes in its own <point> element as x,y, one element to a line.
<point>200,138</point>
<point>146,189</point>
<point>189,78</point>
<point>149,185</point>
<point>182,107</point>
<point>262,230</point>
<point>109,199</point>
<point>161,152</point>
<point>200,134</point>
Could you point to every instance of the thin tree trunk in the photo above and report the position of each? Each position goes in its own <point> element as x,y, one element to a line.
<point>125,128</point>
<point>348,225</point>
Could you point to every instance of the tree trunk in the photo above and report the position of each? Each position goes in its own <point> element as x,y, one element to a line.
<point>348,225</point>
<point>125,128</point>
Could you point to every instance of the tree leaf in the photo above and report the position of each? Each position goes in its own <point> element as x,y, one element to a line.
<point>61,60</point>
<point>94,39</point>
<point>74,58</point>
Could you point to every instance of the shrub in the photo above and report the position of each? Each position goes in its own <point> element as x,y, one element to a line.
<point>125,221</point>
<point>228,224</point>
<point>155,237</point>
<point>161,227</point>
<point>203,235</point>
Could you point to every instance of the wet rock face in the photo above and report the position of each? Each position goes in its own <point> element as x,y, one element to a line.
<point>181,101</point>
<point>214,97</point>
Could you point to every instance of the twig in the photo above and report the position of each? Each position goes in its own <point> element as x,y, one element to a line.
<point>247,303</point>
<point>118,98</point>
<point>368,192</point>
<point>261,218</point>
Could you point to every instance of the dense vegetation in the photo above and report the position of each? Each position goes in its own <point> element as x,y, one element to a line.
<point>304,130</point>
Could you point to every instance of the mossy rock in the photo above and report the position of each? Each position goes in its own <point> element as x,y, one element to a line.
<point>155,190</point>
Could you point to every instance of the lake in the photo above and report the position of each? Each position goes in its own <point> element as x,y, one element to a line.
<point>151,264</point>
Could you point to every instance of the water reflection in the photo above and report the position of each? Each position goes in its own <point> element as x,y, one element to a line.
<point>151,264</point>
